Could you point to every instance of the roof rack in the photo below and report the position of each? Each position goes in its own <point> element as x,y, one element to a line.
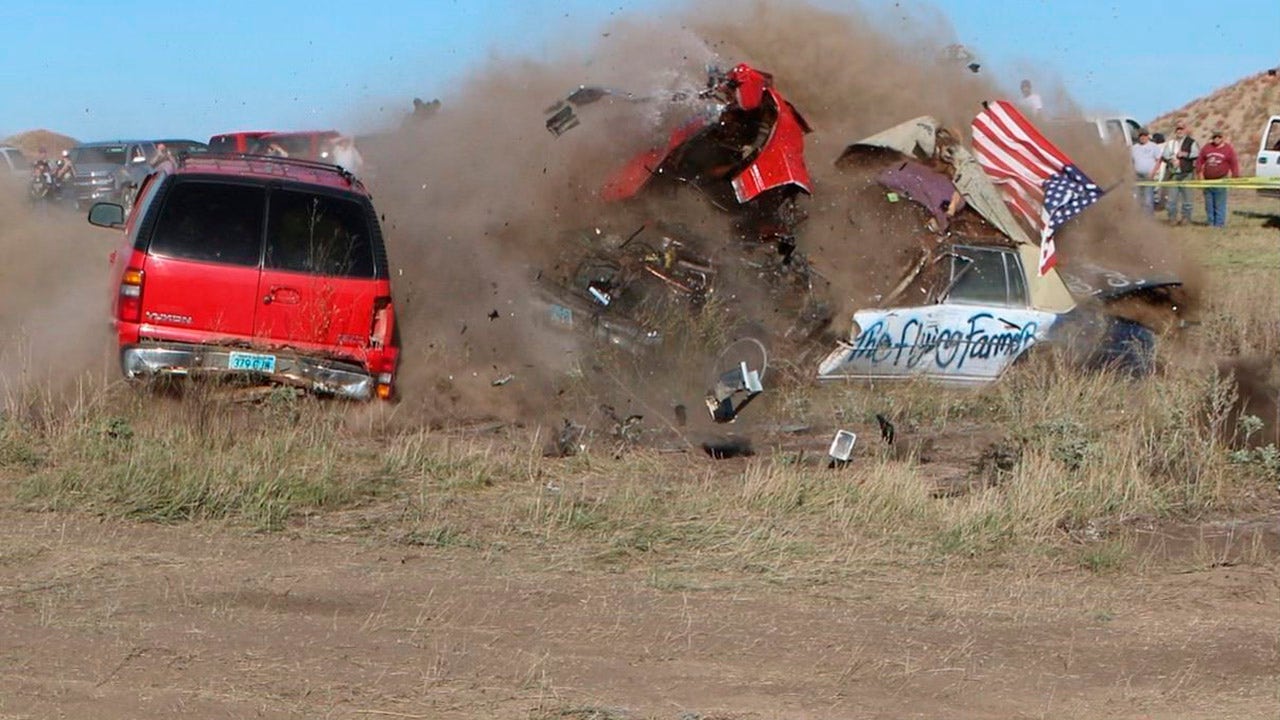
<point>184,157</point>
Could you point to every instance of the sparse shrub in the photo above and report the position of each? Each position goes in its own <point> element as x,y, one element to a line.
<point>1104,556</point>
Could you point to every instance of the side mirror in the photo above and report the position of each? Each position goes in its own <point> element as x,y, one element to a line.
<point>107,215</point>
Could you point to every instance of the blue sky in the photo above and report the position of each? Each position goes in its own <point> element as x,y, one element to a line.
<point>193,68</point>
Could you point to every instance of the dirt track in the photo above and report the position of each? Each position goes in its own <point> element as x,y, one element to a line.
<point>116,620</point>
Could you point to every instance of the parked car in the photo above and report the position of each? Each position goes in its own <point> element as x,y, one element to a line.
<point>111,171</point>
<point>235,142</point>
<point>13,163</point>
<point>1120,129</point>
<point>270,269</point>
<point>1267,164</point>
<point>308,145</point>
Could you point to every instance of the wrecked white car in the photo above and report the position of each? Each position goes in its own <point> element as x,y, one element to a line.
<point>972,303</point>
<point>987,314</point>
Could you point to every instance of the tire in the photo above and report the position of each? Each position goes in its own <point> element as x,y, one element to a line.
<point>127,195</point>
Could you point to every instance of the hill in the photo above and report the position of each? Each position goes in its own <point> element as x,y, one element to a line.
<point>1239,110</point>
<point>31,141</point>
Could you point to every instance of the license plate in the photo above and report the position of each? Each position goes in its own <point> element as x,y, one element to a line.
<point>252,362</point>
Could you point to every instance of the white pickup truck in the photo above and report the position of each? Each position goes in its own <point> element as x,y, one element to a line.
<point>1268,161</point>
<point>1120,129</point>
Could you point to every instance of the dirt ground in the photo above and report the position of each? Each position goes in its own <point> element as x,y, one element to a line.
<point>113,619</point>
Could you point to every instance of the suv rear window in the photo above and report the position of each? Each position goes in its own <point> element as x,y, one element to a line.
<point>18,160</point>
<point>105,154</point>
<point>222,143</point>
<point>211,222</point>
<point>319,234</point>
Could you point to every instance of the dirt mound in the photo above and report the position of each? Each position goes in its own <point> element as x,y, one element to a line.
<point>31,141</point>
<point>1237,109</point>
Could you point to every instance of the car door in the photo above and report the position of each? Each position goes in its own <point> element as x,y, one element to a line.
<point>319,279</point>
<point>202,268</point>
<point>138,166</point>
<point>979,328</point>
<point>15,162</point>
<point>1268,161</point>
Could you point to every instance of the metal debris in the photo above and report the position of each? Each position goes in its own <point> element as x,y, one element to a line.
<point>723,448</point>
<point>842,448</point>
<point>887,431</point>
<point>569,441</point>
<point>742,383</point>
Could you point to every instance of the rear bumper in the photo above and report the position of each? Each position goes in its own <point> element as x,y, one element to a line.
<point>321,375</point>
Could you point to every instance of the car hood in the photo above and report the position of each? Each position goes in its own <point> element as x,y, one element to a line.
<point>1087,281</point>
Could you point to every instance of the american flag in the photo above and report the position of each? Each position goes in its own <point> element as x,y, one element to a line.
<point>1039,182</point>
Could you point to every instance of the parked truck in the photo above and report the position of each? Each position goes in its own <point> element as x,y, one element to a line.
<point>1267,164</point>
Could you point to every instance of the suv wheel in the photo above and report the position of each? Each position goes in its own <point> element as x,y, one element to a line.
<point>127,195</point>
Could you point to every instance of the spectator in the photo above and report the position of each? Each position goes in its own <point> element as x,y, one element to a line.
<point>1031,101</point>
<point>1217,160</point>
<point>421,112</point>
<point>65,170</point>
<point>345,155</point>
<point>1178,164</point>
<point>1146,157</point>
<point>162,155</point>
<point>1162,193</point>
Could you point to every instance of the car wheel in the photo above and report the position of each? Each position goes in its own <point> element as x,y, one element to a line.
<point>127,196</point>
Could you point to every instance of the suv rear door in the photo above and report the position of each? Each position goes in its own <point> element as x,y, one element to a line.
<point>201,271</point>
<point>320,278</point>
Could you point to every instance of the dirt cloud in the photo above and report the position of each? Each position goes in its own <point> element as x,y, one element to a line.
<point>53,313</point>
<point>479,197</point>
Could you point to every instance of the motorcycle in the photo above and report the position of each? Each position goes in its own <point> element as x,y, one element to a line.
<point>44,185</point>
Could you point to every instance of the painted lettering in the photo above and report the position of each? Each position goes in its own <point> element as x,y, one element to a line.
<point>920,344</point>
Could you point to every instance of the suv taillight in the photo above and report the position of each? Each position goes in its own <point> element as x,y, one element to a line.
<point>129,307</point>
<point>383,319</point>
<point>381,335</point>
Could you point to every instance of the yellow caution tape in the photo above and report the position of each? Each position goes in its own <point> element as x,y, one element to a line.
<point>1253,183</point>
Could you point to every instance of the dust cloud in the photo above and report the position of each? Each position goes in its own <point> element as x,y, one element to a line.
<point>479,197</point>
<point>54,333</point>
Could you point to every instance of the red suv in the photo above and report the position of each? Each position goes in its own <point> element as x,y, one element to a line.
<point>308,144</point>
<point>235,142</point>
<point>266,267</point>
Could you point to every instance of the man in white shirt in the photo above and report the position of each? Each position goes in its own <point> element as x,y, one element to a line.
<point>1146,156</point>
<point>346,156</point>
<point>1031,101</point>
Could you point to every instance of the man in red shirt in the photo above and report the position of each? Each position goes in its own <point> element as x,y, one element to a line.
<point>1217,160</point>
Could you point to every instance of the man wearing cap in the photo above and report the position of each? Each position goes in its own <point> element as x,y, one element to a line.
<point>1146,156</point>
<point>1217,160</point>
<point>1178,163</point>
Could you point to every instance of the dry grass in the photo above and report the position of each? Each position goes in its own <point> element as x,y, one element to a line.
<point>1092,452</point>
